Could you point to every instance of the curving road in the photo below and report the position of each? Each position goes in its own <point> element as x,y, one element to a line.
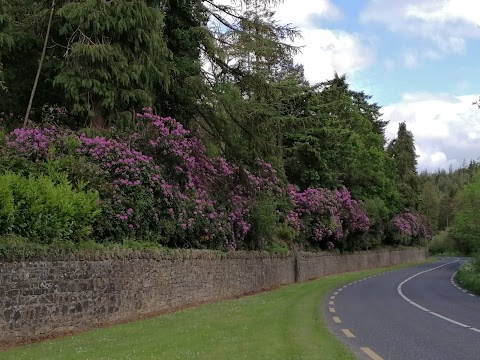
<point>416,313</point>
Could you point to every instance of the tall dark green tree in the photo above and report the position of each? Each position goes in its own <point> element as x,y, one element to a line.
<point>251,84</point>
<point>23,26</point>
<point>6,38</point>
<point>114,55</point>
<point>402,151</point>
<point>340,142</point>
<point>184,32</point>
<point>429,200</point>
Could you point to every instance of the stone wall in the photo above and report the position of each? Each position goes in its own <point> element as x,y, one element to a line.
<point>40,299</point>
<point>312,265</point>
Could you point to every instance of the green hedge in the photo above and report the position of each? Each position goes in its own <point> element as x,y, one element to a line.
<point>46,208</point>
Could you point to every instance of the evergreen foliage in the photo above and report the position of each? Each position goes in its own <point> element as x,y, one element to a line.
<point>402,150</point>
<point>114,53</point>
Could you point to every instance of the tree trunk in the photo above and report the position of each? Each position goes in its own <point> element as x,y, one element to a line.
<point>98,120</point>
<point>35,83</point>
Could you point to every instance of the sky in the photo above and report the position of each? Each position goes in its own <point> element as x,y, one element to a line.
<point>419,59</point>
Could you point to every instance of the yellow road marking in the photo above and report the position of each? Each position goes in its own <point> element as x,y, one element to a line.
<point>332,310</point>
<point>371,353</point>
<point>331,303</point>
<point>348,333</point>
<point>337,319</point>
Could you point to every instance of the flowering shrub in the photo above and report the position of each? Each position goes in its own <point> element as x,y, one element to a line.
<point>158,186</point>
<point>408,228</point>
<point>324,216</point>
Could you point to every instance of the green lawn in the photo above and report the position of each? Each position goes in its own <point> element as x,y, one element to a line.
<point>281,324</point>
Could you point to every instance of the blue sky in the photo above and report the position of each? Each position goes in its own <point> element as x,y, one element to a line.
<point>420,59</point>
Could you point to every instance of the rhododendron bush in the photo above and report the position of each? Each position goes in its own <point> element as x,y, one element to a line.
<point>160,185</point>
<point>326,217</point>
<point>409,228</point>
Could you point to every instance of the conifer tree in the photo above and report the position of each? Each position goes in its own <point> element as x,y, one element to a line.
<point>185,31</point>
<point>6,39</point>
<point>23,26</point>
<point>402,150</point>
<point>252,82</point>
<point>114,54</point>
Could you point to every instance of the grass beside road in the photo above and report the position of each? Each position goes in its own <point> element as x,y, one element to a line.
<point>469,275</point>
<point>282,324</point>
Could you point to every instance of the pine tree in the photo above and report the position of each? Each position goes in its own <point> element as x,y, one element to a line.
<point>22,29</point>
<point>114,55</point>
<point>6,39</point>
<point>251,87</point>
<point>402,150</point>
<point>185,31</point>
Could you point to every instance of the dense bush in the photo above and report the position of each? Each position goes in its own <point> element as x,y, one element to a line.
<point>45,209</point>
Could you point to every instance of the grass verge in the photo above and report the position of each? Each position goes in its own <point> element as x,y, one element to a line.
<point>469,275</point>
<point>282,324</point>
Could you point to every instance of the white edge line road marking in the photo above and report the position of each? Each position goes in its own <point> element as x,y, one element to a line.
<point>337,319</point>
<point>332,297</point>
<point>371,353</point>
<point>399,290</point>
<point>332,310</point>
<point>331,303</point>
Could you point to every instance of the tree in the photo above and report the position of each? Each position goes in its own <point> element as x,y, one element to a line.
<point>402,151</point>
<point>6,38</point>
<point>340,142</point>
<point>114,55</point>
<point>184,32</point>
<point>22,32</point>
<point>42,58</point>
<point>466,227</point>
<point>429,200</point>
<point>253,80</point>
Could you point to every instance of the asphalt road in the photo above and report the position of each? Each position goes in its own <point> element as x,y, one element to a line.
<point>409,314</point>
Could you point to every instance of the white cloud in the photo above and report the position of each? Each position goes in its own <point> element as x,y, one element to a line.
<point>324,51</point>
<point>328,51</point>
<point>302,13</point>
<point>446,24</point>
<point>445,127</point>
<point>426,17</point>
